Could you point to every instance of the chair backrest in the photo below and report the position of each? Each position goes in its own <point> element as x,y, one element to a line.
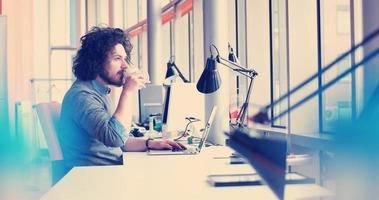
<point>49,115</point>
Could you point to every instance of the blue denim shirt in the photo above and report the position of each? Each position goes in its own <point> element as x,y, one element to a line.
<point>88,132</point>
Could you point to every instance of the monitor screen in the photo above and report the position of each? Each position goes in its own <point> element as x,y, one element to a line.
<point>182,100</point>
<point>151,101</point>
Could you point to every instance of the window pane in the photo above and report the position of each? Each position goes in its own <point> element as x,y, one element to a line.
<point>130,13</point>
<point>61,64</point>
<point>237,83</point>
<point>59,22</point>
<point>118,13</point>
<point>181,42</point>
<point>41,40</point>
<point>165,46</point>
<point>131,18</point>
<point>279,59</point>
<point>336,40</point>
<point>258,51</point>
<point>58,89</point>
<point>102,12</point>
<point>143,51</point>
<point>303,63</point>
<point>40,91</point>
<point>91,14</point>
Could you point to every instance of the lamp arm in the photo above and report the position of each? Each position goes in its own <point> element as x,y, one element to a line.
<point>180,74</point>
<point>244,108</point>
<point>250,73</point>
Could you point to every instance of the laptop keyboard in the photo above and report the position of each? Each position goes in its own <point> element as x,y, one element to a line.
<point>189,151</point>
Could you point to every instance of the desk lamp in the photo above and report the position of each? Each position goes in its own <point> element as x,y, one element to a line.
<point>173,72</point>
<point>210,80</point>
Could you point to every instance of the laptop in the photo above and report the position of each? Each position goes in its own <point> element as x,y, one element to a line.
<point>191,150</point>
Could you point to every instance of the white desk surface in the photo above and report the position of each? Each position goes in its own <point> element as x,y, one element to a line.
<point>168,177</point>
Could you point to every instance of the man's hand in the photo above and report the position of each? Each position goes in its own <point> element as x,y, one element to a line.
<point>135,81</point>
<point>165,144</point>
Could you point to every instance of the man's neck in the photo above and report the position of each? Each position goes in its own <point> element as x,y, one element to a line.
<point>102,86</point>
<point>101,81</point>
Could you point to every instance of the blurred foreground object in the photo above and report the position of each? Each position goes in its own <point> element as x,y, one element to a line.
<point>267,156</point>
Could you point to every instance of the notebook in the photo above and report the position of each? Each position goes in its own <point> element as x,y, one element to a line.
<point>190,151</point>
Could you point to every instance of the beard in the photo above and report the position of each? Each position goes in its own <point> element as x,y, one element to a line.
<point>110,80</point>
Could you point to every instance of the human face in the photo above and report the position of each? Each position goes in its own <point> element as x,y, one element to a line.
<point>112,72</point>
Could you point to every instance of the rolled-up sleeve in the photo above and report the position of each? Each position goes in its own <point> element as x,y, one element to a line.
<point>94,118</point>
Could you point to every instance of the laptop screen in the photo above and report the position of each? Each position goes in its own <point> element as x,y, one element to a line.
<point>207,127</point>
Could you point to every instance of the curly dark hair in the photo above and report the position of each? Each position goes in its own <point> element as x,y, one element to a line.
<point>95,46</point>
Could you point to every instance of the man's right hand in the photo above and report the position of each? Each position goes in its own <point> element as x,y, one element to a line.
<point>135,81</point>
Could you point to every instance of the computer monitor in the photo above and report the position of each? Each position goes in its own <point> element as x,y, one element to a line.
<point>182,100</point>
<point>151,101</point>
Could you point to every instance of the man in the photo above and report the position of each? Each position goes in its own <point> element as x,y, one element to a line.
<point>92,132</point>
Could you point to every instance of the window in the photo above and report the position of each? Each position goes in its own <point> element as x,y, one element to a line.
<point>303,37</point>
<point>56,47</point>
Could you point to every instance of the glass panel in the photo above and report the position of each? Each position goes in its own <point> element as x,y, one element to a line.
<point>40,91</point>
<point>303,62</point>
<point>279,59</point>
<point>131,18</point>
<point>236,81</point>
<point>58,89</point>
<point>258,51</point>
<point>118,13</point>
<point>143,9</point>
<point>61,64</point>
<point>143,64</point>
<point>59,22</point>
<point>181,43</point>
<point>336,39</point>
<point>358,27</point>
<point>130,13</point>
<point>41,40</point>
<point>91,13</point>
<point>165,53</point>
<point>102,12</point>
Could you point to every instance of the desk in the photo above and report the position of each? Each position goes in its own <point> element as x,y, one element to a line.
<point>168,177</point>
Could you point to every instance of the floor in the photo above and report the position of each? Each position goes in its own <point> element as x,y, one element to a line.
<point>24,180</point>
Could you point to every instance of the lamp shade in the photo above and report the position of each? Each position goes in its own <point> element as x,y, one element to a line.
<point>232,57</point>
<point>210,79</point>
<point>171,71</point>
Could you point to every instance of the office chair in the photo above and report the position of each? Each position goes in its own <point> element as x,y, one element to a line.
<point>49,115</point>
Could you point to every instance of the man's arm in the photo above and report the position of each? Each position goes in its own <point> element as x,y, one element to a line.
<point>123,112</point>
<point>89,113</point>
